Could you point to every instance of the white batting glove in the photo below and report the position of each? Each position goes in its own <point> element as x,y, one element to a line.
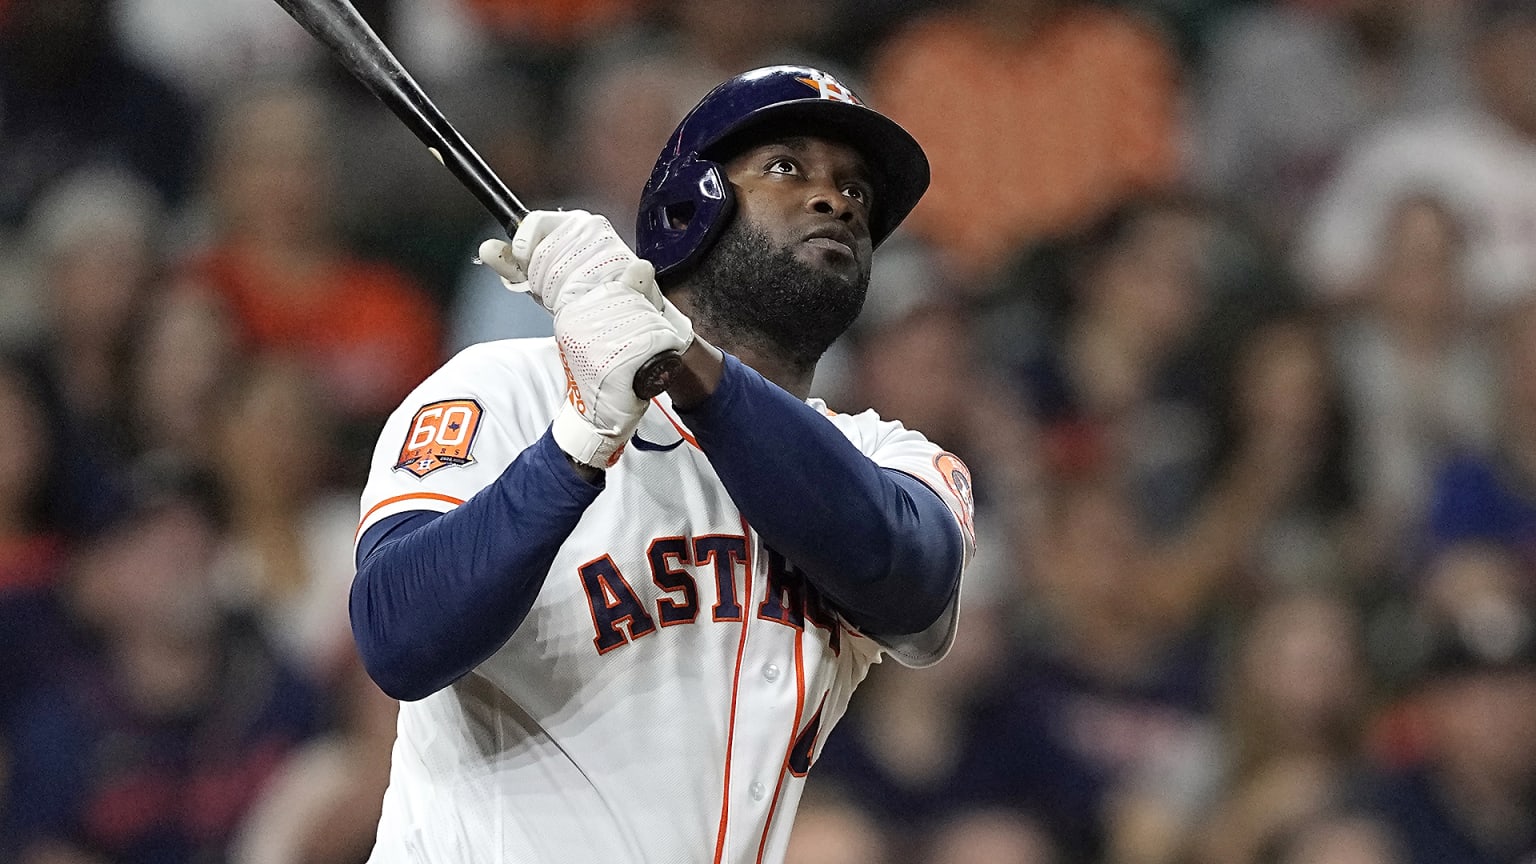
<point>648,289</point>
<point>556,255</point>
<point>605,335</point>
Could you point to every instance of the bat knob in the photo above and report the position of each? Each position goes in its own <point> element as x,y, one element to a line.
<point>656,373</point>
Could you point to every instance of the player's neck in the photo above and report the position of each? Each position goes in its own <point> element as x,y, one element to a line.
<point>793,377</point>
<point>754,349</point>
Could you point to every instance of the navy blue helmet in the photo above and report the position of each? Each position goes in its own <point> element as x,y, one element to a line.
<point>687,200</point>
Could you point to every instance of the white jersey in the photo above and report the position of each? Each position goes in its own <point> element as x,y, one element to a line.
<point>674,680</point>
<point>1479,167</point>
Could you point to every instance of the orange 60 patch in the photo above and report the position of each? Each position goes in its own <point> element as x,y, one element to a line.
<point>441,434</point>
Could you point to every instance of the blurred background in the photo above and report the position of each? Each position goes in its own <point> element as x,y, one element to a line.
<point>1230,306</point>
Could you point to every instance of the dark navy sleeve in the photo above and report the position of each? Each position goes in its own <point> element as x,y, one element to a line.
<point>436,594</point>
<point>881,544</point>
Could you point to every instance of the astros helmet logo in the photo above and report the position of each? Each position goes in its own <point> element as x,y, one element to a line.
<point>828,87</point>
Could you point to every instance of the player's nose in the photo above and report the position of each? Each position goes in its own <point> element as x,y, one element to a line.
<point>826,198</point>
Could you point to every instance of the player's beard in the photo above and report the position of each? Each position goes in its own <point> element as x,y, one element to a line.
<point>749,292</point>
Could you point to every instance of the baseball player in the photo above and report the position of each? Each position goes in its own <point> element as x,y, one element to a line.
<point>621,629</point>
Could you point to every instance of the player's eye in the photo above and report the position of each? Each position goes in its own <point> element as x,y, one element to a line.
<point>783,165</point>
<point>857,192</point>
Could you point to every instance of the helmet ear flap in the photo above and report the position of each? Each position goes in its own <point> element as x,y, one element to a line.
<point>685,213</point>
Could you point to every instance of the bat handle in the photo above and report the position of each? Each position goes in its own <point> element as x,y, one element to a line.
<point>656,373</point>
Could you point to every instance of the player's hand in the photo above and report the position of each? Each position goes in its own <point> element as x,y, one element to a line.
<point>557,255</point>
<point>605,333</point>
<point>648,289</point>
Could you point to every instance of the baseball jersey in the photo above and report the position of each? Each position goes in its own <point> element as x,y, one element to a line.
<point>674,679</point>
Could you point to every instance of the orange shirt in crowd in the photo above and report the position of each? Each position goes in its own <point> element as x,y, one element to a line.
<point>369,333</point>
<point>1031,135</point>
<point>551,21</point>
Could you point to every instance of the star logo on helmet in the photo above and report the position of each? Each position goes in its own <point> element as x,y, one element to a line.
<point>828,87</point>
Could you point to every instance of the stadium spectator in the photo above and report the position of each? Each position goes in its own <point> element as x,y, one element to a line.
<point>923,366</point>
<point>1108,362</point>
<point>1470,796</point>
<point>725,37</point>
<point>1112,673</point>
<point>605,173</point>
<point>832,827</point>
<point>1285,87</point>
<point>1045,114</point>
<point>993,836</point>
<point>183,349</point>
<point>1296,691</point>
<point>1416,373</point>
<point>1340,836</point>
<point>322,806</point>
<point>913,745</point>
<point>1121,367</point>
<point>286,560</point>
<point>1285,436</point>
<point>365,332</point>
<point>151,747</point>
<point>212,47</point>
<point>98,242</point>
<point>1478,158</point>
<point>1485,495</point>
<point>73,98</point>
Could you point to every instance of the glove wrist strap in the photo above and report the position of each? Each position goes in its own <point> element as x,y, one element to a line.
<point>586,443</point>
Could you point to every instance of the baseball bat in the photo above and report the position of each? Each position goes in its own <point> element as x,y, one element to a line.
<point>339,26</point>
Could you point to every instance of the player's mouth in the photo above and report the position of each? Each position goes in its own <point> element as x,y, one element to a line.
<point>835,239</point>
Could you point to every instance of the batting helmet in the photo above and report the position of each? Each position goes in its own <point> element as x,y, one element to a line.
<point>687,200</point>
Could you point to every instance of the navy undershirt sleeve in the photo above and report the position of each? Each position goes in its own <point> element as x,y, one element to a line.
<point>437,594</point>
<point>879,543</point>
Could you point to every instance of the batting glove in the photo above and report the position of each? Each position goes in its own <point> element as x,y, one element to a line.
<point>648,289</point>
<point>557,255</point>
<point>605,334</point>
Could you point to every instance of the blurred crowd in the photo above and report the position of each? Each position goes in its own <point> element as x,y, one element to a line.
<point>1230,306</point>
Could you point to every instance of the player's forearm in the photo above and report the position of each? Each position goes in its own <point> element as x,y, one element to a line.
<point>440,594</point>
<point>884,547</point>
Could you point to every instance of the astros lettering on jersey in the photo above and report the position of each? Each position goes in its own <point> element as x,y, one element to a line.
<point>674,681</point>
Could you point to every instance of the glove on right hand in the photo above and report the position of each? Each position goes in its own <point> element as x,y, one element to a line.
<point>605,334</point>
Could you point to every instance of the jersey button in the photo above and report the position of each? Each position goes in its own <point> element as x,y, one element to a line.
<point>758,790</point>
<point>771,672</point>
